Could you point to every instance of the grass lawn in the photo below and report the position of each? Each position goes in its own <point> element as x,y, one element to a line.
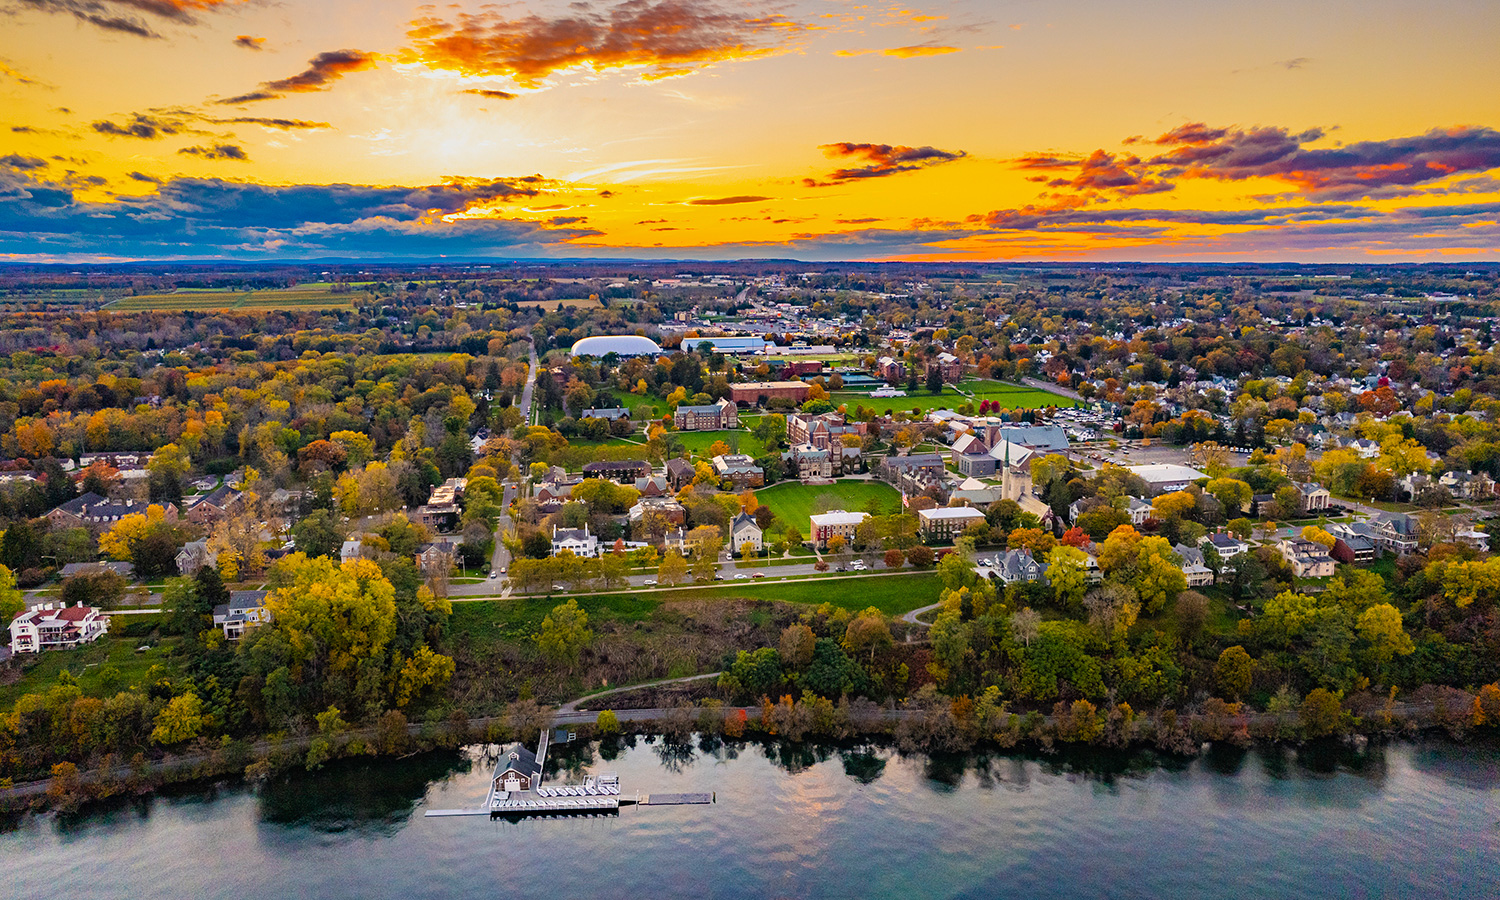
<point>40,672</point>
<point>891,594</point>
<point>698,442</point>
<point>792,502</point>
<point>1010,396</point>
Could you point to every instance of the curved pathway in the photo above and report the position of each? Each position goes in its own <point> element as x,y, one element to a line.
<point>572,705</point>
<point>911,617</point>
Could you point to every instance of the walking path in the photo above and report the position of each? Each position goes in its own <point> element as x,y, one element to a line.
<point>911,617</point>
<point>572,705</point>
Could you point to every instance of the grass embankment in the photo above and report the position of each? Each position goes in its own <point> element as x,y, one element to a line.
<point>793,502</point>
<point>118,649</point>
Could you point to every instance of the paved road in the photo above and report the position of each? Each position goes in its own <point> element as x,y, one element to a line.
<point>461,593</point>
<point>911,617</point>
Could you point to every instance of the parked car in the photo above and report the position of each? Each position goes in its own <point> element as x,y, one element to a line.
<point>649,582</point>
<point>759,575</point>
<point>739,575</point>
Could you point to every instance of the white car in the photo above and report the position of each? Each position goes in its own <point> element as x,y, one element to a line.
<point>649,582</point>
<point>739,575</point>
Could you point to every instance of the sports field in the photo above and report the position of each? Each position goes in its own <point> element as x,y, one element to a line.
<point>1009,396</point>
<point>793,502</point>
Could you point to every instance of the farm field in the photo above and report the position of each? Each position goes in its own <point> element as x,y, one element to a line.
<point>302,297</point>
<point>792,502</point>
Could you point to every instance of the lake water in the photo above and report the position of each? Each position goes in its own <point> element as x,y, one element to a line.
<point>1413,820</point>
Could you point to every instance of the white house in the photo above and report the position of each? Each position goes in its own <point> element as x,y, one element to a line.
<point>245,609</point>
<point>50,626</point>
<point>350,550</point>
<point>835,523</point>
<point>743,529</point>
<point>577,540</point>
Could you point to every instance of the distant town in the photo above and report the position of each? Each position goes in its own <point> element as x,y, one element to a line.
<point>959,505</point>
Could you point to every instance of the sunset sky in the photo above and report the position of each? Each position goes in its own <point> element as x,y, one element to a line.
<point>1190,130</point>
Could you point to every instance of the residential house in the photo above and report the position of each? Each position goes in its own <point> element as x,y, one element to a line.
<point>576,540</point>
<point>521,772</point>
<point>1193,567</point>
<point>738,471</point>
<point>1308,559</point>
<point>1139,510</point>
<point>1396,532</point>
<point>609,414</point>
<point>245,610</point>
<point>946,523</point>
<point>215,506</point>
<point>625,471</point>
<point>50,627</point>
<point>1018,566</point>
<point>680,473</point>
<point>1367,449</point>
<point>194,555</point>
<point>710,417</point>
<point>743,529</point>
<point>1360,539</point>
<point>98,513</point>
<point>351,550</point>
<point>1227,545</point>
<point>835,522</point>
<point>672,512</point>
<point>1474,538</point>
<point>436,556</point>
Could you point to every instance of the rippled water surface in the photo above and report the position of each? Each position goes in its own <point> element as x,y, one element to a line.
<point>1408,821</point>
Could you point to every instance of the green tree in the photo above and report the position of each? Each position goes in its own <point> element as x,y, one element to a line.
<point>1233,672</point>
<point>12,603</point>
<point>181,720</point>
<point>319,534</point>
<point>1380,626</point>
<point>1068,574</point>
<point>1321,713</point>
<point>564,634</point>
<point>607,722</point>
<point>673,569</point>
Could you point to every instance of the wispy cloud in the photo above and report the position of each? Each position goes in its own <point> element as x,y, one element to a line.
<point>124,16</point>
<point>321,72</point>
<point>218,152</point>
<point>880,161</point>
<point>250,42</point>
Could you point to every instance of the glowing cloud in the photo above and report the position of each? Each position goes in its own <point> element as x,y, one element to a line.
<point>668,37</point>
<point>321,72</point>
<point>881,160</point>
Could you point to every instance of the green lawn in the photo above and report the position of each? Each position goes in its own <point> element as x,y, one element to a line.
<point>698,442</point>
<point>891,594</point>
<point>792,502</point>
<point>1010,396</point>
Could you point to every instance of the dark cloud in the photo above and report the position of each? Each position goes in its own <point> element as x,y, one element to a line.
<point>141,176</point>
<point>322,70</point>
<point>669,37</point>
<point>1198,151</point>
<point>725,201</point>
<point>210,217</point>
<point>606,194</point>
<point>124,16</point>
<point>250,42</point>
<point>880,161</point>
<point>17,161</point>
<point>278,124</point>
<point>490,94</point>
<point>146,126</point>
<point>218,152</point>
<point>1351,170</point>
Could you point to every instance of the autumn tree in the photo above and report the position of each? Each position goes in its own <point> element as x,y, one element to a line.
<point>564,634</point>
<point>1234,671</point>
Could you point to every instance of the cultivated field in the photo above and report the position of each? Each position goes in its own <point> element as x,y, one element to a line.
<point>302,297</point>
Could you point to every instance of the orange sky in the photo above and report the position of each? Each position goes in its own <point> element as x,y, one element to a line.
<point>975,130</point>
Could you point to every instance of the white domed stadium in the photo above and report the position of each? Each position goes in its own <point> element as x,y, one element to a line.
<point>618,344</point>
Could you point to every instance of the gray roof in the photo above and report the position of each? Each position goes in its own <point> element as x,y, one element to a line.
<point>1041,437</point>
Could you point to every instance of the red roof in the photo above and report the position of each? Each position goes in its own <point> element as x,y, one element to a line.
<point>75,613</point>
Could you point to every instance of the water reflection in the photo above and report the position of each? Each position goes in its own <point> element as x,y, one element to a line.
<point>864,766</point>
<point>360,796</point>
